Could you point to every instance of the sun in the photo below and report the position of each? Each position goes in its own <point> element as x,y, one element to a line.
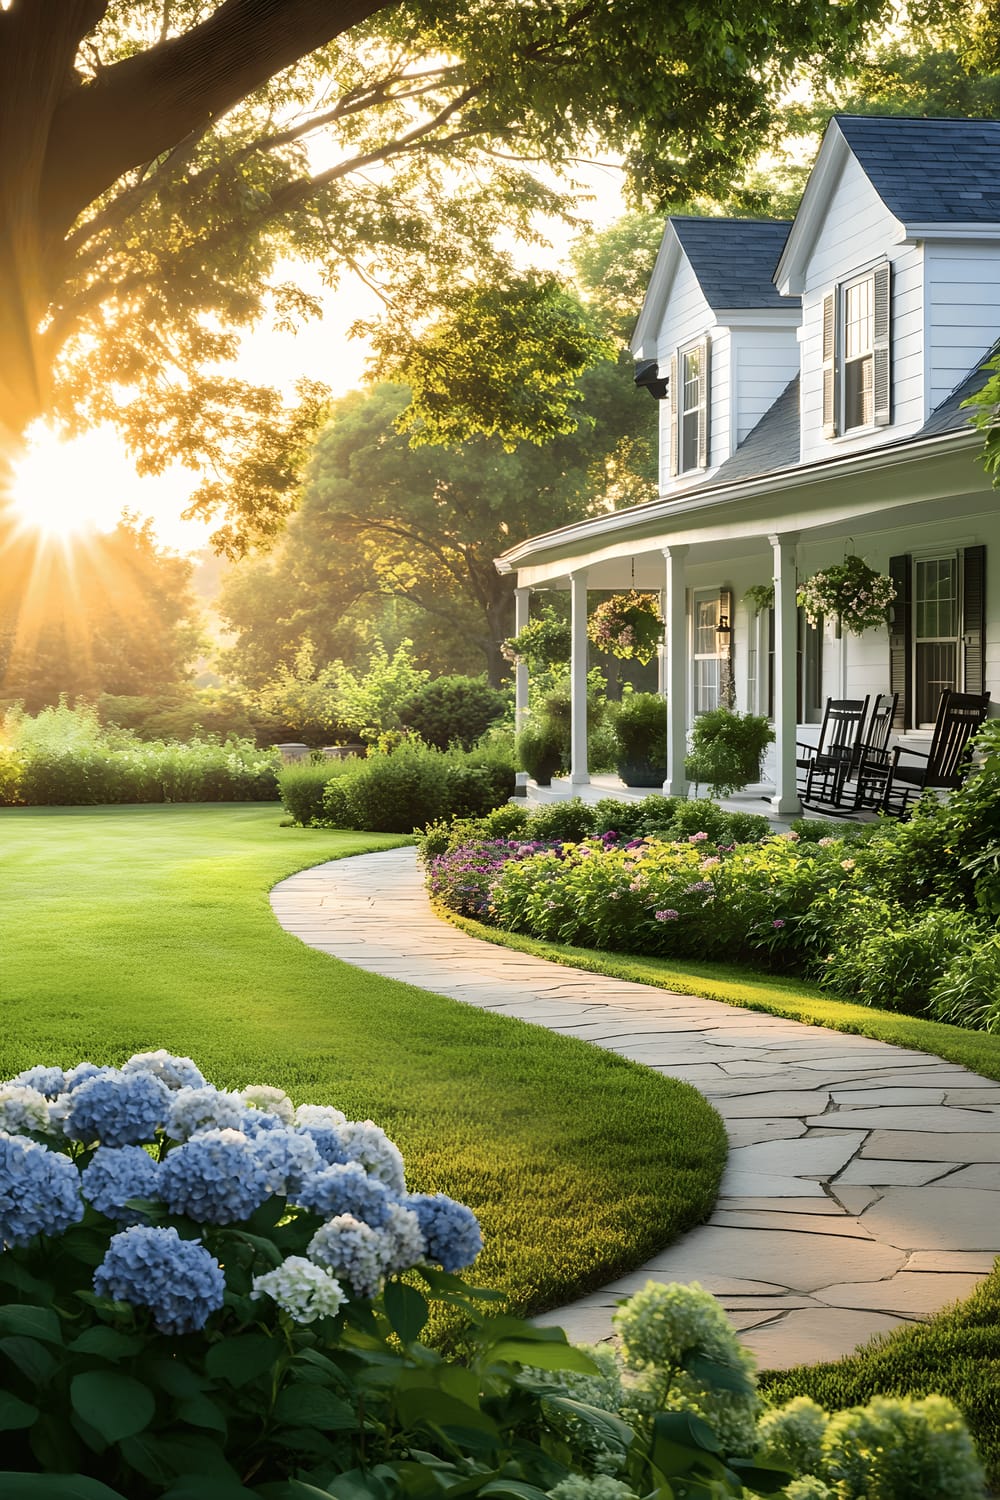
<point>60,490</point>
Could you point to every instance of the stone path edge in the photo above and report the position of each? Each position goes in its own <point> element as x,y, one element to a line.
<point>863,1185</point>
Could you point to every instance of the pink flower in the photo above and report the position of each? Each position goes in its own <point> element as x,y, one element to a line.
<point>697,838</point>
<point>778,922</point>
<point>666,916</point>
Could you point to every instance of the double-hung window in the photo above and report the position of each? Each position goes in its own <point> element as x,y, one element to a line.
<point>857,363</point>
<point>689,409</point>
<point>937,634</point>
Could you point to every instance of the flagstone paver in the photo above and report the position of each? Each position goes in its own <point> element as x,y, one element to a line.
<point>863,1185</point>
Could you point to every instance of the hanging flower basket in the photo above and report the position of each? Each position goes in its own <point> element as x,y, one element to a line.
<point>628,626</point>
<point>544,642</point>
<point>851,592</point>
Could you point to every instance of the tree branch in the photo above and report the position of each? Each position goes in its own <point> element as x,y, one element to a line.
<point>140,107</point>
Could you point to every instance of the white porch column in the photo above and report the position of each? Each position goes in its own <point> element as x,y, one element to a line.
<point>522,605</point>
<point>785,800</point>
<point>579,774</point>
<point>675,672</point>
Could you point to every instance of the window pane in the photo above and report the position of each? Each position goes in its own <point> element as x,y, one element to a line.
<point>858,407</point>
<point>859,324</point>
<point>936,594</point>
<point>706,685</point>
<point>706,619</point>
<point>692,379</point>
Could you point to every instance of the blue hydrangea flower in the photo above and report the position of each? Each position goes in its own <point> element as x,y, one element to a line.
<point>48,1081</point>
<point>208,1108</point>
<point>346,1189</point>
<point>450,1229</point>
<point>328,1144</point>
<point>82,1072</point>
<point>175,1072</point>
<point>117,1110</point>
<point>178,1280</point>
<point>288,1157</point>
<point>215,1178</point>
<point>365,1142</point>
<point>116,1174</point>
<point>403,1242</point>
<point>39,1191</point>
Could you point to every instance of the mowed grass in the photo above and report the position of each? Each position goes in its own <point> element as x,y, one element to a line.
<point>129,928</point>
<point>778,995</point>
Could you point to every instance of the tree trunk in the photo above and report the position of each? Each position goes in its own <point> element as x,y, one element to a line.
<point>500,622</point>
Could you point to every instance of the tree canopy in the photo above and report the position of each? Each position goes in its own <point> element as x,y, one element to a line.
<point>161,161</point>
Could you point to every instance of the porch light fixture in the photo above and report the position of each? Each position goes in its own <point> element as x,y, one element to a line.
<point>723,630</point>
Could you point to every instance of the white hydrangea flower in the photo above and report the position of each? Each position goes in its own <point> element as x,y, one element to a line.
<point>23,1109</point>
<point>319,1117</point>
<point>58,1110</point>
<point>272,1101</point>
<point>353,1251</point>
<point>602,1487</point>
<point>302,1289</point>
<point>192,1110</point>
<point>175,1072</point>
<point>363,1141</point>
<point>405,1245</point>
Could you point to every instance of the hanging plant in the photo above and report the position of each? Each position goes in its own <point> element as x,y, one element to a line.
<point>850,592</point>
<point>760,596</point>
<point>628,626</point>
<point>544,642</point>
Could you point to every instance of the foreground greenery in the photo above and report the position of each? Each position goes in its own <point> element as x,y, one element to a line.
<point>797,999</point>
<point>957,1353</point>
<point>134,928</point>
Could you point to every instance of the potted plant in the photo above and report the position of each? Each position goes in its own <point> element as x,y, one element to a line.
<point>628,626</point>
<point>540,749</point>
<point>851,592</point>
<point>727,749</point>
<point>544,642</point>
<point>641,739</point>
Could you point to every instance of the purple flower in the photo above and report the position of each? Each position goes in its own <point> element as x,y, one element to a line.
<point>778,922</point>
<point>666,916</point>
<point>697,838</point>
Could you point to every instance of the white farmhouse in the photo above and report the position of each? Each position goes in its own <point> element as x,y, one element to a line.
<point>811,379</point>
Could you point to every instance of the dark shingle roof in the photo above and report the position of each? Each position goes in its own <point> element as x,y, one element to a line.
<point>930,171</point>
<point>951,415</point>
<point>772,444</point>
<point>734,259</point>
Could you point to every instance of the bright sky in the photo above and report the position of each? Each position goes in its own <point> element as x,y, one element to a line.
<point>89,482</point>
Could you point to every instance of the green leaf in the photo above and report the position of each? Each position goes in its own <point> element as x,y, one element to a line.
<point>438,1409</point>
<point>684,1427</point>
<point>116,1406</point>
<point>199,1411</point>
<point>406,1310</point>
<point>33,1322</point>
<point>302,1405</point>
<point>15,1413</point>
<point>106,1343</point>
<point>354,1485</point>
<point>513,1489</point>
<point>203,1487</point>
<point>55,1487</point>
<point>611,1429</point>
<point>760,1476</point>
<point>241,1360</point>
<point>718,1377</point>
<point>174,1377</point>
<point>544,1356</point>
<point>31,1358</point>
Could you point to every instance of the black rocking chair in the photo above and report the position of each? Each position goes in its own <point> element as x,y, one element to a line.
<point>959,715</point>
<point>823,768</point>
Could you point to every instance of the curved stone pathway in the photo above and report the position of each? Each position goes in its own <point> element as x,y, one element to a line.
<point>863,1183</point>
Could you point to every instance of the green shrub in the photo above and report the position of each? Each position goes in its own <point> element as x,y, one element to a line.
<point>452,710</point>
<point>886,956</point>
<point>602,746</point>
<point>968,992</point>
<point>562,821</point>
<point>417,785</point>
<point>541,749</point>
<point>727,749</point>
<point>628,819</point>
<point>901,1449</point>
<point>688,816</point>
<point>301,786</point>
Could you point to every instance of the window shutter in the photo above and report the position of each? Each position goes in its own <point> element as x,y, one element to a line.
<point>974,618</point>
<point>881,351</point>
<point>675,415</point>
<point>830,392</point>
<point>704,401</point>
<point>901,640</point>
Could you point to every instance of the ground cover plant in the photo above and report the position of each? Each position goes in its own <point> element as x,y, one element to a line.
<point>127,929</point>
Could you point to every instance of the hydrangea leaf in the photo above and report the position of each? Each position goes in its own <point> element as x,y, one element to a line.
<point>55,1487</point>
<point>544,1356</point>
<point>115,1406</point>
<point>302,1405</point>
<point>107,1343</point>
<point>15,1413</point>
<point>33,1322</point>
<point>241,1360</point>
<point>406,1310</point>
<point>30,1357</point>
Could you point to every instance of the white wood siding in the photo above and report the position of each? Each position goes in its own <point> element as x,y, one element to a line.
<point>687,318</point>
<point>963,310</point>
<point>763,362</point>
<point>857,233</point>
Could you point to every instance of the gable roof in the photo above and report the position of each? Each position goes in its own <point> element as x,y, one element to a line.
<point>734,259</point>
<point>929,171</point>
<point>773,444</point>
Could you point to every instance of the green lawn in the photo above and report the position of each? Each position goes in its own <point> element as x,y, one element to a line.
<point>126,928</point>
<point>753,990</point>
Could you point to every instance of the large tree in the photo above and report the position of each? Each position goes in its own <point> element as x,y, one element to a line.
<point>380,519</point>
<point>159,159</point>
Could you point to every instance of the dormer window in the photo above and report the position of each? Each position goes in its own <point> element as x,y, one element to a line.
<point>856,354</point>
<point>689,409</point>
